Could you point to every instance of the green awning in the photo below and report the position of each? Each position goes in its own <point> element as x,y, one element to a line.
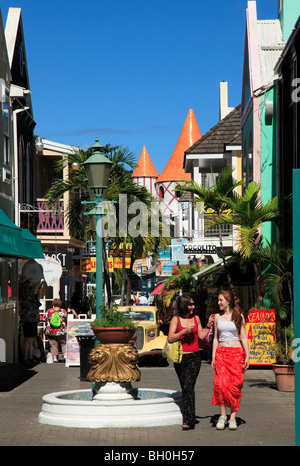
<point>32,245</point>
<point>211,268</point>
<point>17,242</point>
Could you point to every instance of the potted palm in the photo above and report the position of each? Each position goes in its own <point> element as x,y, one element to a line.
<point>279,286</point>
<point>113,327</point>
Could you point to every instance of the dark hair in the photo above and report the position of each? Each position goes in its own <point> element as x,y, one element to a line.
<point>182,303</point>
<point>234,304</point>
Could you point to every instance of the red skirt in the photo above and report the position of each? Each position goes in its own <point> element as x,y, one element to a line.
<point>228,376</point>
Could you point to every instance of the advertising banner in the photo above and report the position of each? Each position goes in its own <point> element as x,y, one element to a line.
<point>76,327</point>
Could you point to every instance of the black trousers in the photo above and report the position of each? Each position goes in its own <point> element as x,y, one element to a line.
<point>187,372</point>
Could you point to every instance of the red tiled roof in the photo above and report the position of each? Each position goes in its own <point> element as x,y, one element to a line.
<point>190,133</point>
<point>145,166</point>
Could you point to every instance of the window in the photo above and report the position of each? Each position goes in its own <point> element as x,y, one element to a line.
<point>161,193</point>
<point>139,268</point>
<point>5,124</point>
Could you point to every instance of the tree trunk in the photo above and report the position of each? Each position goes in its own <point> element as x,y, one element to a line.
<point>258,284</point>
<point>123,273</point>
<point>128,293</point>
<point>225,263</point>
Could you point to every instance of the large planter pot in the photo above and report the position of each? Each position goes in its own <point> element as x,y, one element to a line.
<point>114,335</point>
<point>285,377</point>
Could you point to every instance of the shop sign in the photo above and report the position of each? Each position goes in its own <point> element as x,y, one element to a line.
<point>200,249</point>
<point>117,250</point>
<point>52,270</point>
<point>118,262</point>
<point>63,257</point>
<point>260,330</point>
<point>88,264</point>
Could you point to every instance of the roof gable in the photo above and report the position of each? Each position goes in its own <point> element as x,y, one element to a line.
<point>5,70</point>
<point>227,131</point>
<point>15,41</point>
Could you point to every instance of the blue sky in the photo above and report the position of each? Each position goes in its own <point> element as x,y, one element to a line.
<point>128,71</point>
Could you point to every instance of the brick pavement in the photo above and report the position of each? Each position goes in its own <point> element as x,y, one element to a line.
<point>266,416</point>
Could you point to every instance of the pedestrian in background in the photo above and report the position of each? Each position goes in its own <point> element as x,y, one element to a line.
<point>70,311</point>
<point>143,300</point>
<point>230,358</point>
<point>186,326</point>
<point>29,317</point>
<point>56,334</point>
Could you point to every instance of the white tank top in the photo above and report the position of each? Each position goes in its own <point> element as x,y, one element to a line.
<point>227,331</point>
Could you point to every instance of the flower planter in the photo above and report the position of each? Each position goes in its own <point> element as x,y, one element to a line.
<point>114,335</point>
<point>285,377</point>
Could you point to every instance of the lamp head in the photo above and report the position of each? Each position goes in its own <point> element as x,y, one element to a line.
<point>97,168</point>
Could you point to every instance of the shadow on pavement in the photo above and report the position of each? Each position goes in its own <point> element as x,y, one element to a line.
<point>13,375</point>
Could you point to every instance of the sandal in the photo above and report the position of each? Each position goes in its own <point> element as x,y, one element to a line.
<point>187,426</point>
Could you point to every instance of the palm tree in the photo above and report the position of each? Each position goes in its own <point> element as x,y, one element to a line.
<point>248,214</point>
<point>121,183</point>
<point>182,280</point>
<point>217,198</point>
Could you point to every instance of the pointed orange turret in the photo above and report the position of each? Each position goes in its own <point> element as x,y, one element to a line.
<point>190,133</point>
<point>145,166</point>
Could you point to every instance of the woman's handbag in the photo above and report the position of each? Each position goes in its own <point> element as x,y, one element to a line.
<point>173,351</point>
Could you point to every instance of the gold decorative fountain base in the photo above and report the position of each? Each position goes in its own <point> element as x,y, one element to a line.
<point>114,363</point>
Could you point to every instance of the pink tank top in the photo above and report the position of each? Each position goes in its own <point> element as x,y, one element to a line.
<point>190,342</point>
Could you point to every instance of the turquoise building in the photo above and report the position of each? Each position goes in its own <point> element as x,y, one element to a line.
<point>265,40</point>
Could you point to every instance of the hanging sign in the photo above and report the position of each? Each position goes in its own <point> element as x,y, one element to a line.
<point>52,270</point>
<point>88,264</point>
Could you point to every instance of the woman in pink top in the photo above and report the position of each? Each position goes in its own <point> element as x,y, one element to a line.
<point>186,326</point>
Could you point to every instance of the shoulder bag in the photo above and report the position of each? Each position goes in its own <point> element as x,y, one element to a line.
<point>173,351</point>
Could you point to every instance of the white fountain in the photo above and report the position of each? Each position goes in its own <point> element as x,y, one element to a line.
<point>112,402</point>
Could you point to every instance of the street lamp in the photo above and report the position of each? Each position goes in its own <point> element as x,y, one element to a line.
<point>97,168</point>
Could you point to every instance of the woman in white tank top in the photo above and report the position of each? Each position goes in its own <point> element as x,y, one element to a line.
<point>230,358</point>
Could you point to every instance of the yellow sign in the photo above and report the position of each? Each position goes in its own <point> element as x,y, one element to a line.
<point>260,329</point>
<point>118,262</point>
<point>117,250</point>
<point>88,264</point>
<point>110,263</point>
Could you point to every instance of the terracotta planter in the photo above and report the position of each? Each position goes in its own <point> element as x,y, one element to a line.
<point>114,335</point>
<point>285,377</point>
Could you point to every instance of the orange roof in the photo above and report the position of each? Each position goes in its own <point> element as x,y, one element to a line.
<point>145,166</point>
<point>190,134</point>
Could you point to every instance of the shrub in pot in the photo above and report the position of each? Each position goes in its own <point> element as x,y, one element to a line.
<point>113,327</point>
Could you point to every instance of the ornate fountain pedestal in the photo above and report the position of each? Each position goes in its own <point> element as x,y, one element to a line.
<point>116,364</point>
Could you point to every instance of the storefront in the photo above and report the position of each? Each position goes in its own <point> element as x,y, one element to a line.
<point>16,245</point>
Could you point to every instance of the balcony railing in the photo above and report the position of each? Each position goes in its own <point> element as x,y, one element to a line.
<point>226,230</point>
<point>50,221</point>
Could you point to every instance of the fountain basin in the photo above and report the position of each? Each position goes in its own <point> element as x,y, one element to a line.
<point>77,408</point>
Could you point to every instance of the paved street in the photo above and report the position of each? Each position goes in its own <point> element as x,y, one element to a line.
<point>266,416</point>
